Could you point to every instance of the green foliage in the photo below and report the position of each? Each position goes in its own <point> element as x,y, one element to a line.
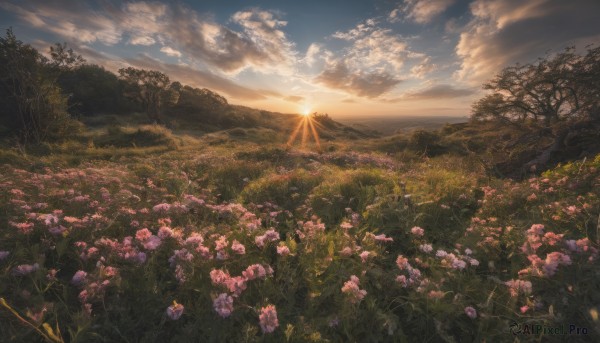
<point>30,100</point>
<point>230,178</point>
<point>288,189</point>
<point>142,136</point>
<point>93,90</point>
<point>426,141</point>
<point>150,88</point>
<point>353,189</point>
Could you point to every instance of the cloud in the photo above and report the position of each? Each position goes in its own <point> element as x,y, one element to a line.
<point>142,40</point>
<point>68,21</point>
<point>170,51</point>
<point>258,41</point>
<point>441,91</point>
<point>260,44</point>
<point>505,32</point>
<point>312,53</point>
<point>370,66</point>
<point>337,75</point>
<point>420,11</point>
<point>420,70</point>
<point>199,78</point>
<point>294,98</point>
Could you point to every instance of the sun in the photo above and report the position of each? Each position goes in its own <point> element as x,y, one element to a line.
<point>307,127</point>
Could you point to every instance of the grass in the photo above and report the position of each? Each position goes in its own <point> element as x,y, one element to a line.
<point>303,231</point>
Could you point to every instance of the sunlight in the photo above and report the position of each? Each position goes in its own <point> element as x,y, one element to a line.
<point>308,127</point>
<point>305,111</point>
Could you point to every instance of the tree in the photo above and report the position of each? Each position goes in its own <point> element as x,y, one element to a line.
<point>555,89</point>
<point>65,59</point>
<point>150,88</point>
<point>30,100</point>
<point>92,89</point>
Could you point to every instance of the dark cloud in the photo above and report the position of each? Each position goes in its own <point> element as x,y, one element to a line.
<point>338,76</point>
<point>442,91</point>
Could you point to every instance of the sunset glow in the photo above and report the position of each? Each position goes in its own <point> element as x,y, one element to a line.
<point>306,130</point>
<point>384,58</point>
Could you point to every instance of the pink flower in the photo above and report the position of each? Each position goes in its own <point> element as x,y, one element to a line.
<point>524,308</point>
<point>402,262</point>
<point>417,231</point>
<point>161,208</point>
<point>254,271</point>
<point>551,238</point>
<point>283,250</point>
<point>175,311</point>
<point>536,229</point>
<point>79,278</point>
<point>518,286</point>
<point>4,254</point>
<point>223,304</point>
<point>426,248</point>
<point>353,291</point>
<point>458,264</point>
<point>142,235</point>
<point>165,232</point>
<point>470,312</point>
<point>268,319</point>
<point>194,238</point>
<point>364,256</point>
<point>219,277</point>
<point>238,248</point>
<point>152,243</point>
<point>221,243</point>
<point>269,236</point>
<point>383,238</point>
<point>236,285</point>
<point>51,220</point>
<point>401,279</point>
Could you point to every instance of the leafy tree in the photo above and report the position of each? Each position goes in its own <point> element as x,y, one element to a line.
<point>150,88</point>
<point>30,100</point>
<point>559,88</point>
<point>198,104</point>
<point>65,59</point>
<point>92,89</point>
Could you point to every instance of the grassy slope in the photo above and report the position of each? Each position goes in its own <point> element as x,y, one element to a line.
<point>381,186</point>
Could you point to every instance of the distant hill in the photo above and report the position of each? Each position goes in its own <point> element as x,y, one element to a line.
<point>390,125</point>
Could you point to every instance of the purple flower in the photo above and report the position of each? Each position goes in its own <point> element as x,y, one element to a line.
<point>470,312</point>
<point>223,304</point>
<point>24,269</point>
<point>268,319</point>
<point>175,311</point>
<point>79,278</point>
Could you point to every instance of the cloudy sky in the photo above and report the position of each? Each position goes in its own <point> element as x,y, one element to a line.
<point>342,57</point>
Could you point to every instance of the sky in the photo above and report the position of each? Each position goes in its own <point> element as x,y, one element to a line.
<point>341,57</point>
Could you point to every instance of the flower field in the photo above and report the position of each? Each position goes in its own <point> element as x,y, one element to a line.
<point>232,244</point>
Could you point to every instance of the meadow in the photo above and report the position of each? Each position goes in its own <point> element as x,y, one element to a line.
<point>235,237</point>
<point>136,209</point>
